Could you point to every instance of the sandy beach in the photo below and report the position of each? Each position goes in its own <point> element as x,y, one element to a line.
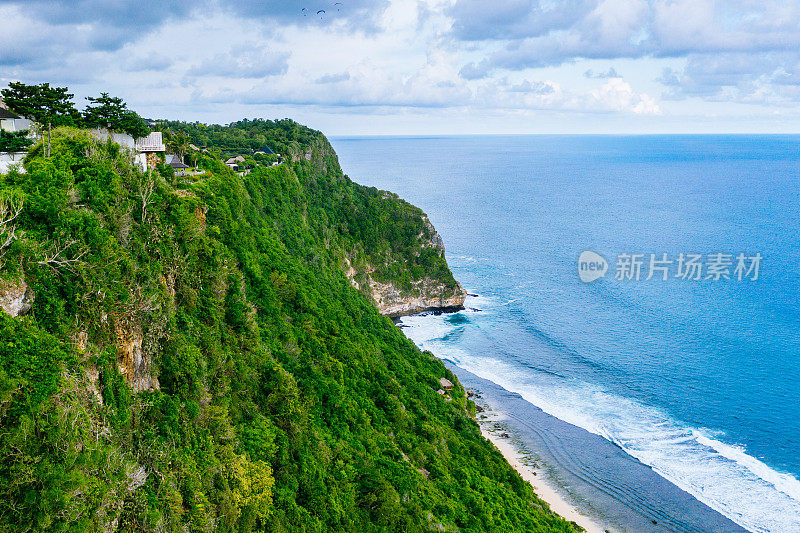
<point>582,476</point>
<point>544,489</point>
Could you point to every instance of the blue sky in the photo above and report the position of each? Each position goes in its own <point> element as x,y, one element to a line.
<point>424,66</point>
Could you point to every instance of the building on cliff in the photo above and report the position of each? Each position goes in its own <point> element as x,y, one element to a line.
<point>10,121</point>
<point>144,149</point>
<point>148,148</point>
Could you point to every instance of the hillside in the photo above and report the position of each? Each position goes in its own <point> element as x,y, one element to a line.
<point>189,354</point>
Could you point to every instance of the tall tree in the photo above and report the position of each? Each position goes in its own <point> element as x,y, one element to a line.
<point>177,142</point>
<point>14,141</point>
<point>104,111</point>
<point>45,105</point>
<point>112,113</point>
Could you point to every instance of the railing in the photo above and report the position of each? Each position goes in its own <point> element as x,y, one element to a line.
<point>151,143</point>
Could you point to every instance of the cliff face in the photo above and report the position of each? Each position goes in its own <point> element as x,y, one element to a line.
<point>193,344</point>
<point>426,293</point>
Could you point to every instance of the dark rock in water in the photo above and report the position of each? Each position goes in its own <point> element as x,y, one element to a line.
<point>469,394</point>
<point>504,435</point>
<point>478,408</point>
<point>447,309</point>
<point>473,295</point>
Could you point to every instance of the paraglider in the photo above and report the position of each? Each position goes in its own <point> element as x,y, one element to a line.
<point>320,11</point>
<point>337,4</point>
<point>304,11</point>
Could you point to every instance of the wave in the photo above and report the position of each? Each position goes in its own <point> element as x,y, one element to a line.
<point>722,476</point>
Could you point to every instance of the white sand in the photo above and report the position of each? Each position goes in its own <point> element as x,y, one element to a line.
<point>543,488</point>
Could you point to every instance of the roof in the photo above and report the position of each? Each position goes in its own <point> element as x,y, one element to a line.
<point>151,143</point>
<point>266,149</point>
<point>177,163</point>
<point>5,113</point>
<point>237,159</point>
<point>446,383</point>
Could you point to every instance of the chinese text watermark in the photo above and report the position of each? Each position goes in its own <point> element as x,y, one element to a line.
<point>662,267</point>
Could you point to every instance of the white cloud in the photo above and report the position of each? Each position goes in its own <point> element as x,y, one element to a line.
<point>617,95</point>
<point>449,58</point>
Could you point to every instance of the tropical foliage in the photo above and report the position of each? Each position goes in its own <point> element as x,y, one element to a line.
<point>53,106</point>
<point>196,360</point>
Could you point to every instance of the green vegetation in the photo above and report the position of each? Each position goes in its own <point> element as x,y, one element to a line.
<point>52,106</point>
<point>246,136</point>
<point>285,401</point>
<point>14,141</point>
<point>112,113</point>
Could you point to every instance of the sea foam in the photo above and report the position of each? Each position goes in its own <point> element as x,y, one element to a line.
<point>721,475</point>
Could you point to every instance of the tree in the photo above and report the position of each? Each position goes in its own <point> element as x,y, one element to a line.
<point>134,125</point>
<point>14,141</point>
<point>45,105</point>
<point>112,113</point>
<point>177,142</point>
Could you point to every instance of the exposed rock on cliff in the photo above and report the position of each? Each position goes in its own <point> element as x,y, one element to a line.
<point>15,297</point>
<point>427,295</point>
<point>424,294</point>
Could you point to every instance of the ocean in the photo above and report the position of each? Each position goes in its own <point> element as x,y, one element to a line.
<point>698,379</point>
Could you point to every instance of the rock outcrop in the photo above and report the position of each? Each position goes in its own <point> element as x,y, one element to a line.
<point>15,297</point>
<point>425,294</point>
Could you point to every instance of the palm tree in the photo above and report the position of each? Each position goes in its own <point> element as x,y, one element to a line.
<point>177,143</point>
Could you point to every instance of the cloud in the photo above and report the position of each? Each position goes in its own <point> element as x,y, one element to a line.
<point>617,95</point>
<point>476,20</point>
<point>105,25</point>
<point>433,84</point>
<point>546,33</point>
<point>153,61</point>
<point>610,73</point>
<point>613,96</point>
<point>770,77</point>
<point>350,15</point>
<point>333,78</point>
<point>243,61</point>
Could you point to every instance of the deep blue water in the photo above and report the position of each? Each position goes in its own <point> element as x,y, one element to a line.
<point>699,379</point>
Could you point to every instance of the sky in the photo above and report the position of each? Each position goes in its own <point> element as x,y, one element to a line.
<point>424,67</point>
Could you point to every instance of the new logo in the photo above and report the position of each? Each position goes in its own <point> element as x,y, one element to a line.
<point>591,266</point>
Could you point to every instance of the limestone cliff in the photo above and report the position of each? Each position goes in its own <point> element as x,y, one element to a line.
<point>15,297</point>
<point>426,293</point>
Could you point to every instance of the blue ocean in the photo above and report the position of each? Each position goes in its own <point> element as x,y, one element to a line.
<point>697,377</point>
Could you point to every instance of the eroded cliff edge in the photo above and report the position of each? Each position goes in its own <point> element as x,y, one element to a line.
<point>396,257</point>
<point>425,293</point>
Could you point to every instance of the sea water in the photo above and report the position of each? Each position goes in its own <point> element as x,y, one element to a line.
<point>697,378</point>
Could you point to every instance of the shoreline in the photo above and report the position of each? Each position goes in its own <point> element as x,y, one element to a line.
<point>581,474</point>
<point>545,489</point>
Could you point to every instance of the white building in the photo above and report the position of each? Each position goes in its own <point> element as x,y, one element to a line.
<point>12,122</point>
<point>141,147</point>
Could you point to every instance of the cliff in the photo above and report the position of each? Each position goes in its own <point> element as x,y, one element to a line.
<point>190,354</point>
<point>424,293</point>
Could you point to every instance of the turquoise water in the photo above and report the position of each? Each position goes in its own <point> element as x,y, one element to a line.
<point>698,379</point>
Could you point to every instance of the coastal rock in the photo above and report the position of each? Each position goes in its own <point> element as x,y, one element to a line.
<point>425,294</point>
<point>16,297</point>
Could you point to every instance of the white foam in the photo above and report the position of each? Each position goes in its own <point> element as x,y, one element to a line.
<point>722,476</point>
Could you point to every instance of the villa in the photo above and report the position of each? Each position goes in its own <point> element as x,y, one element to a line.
<point>10,121</point>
